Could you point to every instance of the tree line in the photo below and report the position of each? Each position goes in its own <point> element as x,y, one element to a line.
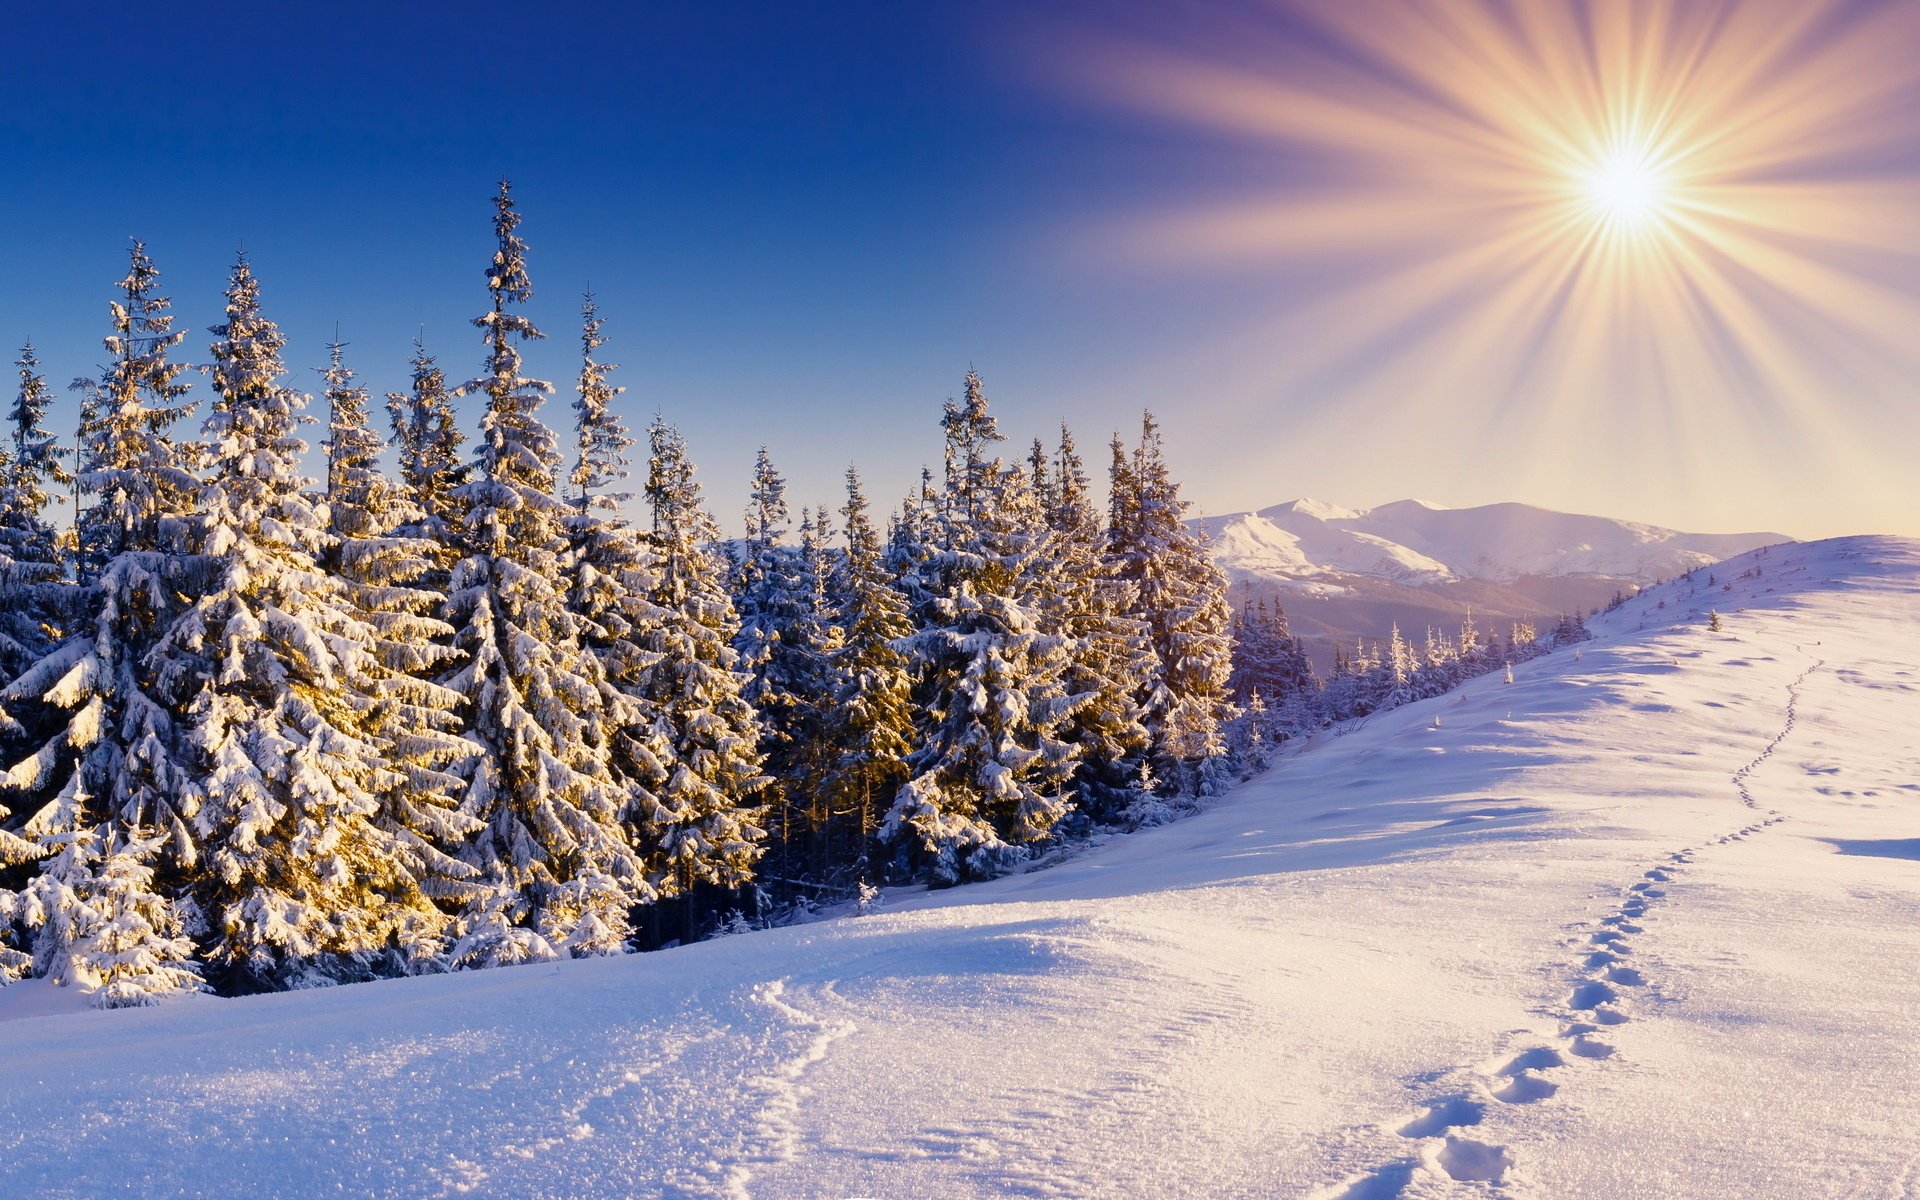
<point>266,731</point>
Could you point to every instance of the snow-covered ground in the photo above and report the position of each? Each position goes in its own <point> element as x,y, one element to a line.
<point>1645,922</point>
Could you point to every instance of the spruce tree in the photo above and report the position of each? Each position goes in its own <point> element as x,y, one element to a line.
<point>32,469</point>
<point>427,441</point>
<point>991,773</point>
<point>1114,664</point>
<point>783,652</point>
<point>32,604</point>
<point>563,877</point>
<point>1181,597</point>
<point>707,813</point>
<point>301,882</point>
<point>379,554</point>
<point>870,721</point>
<point>117,780</point>
<point>610,591</point>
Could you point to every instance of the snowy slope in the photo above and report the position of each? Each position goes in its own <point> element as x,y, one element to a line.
<point>1643,923</point>
<point>1415,542</point>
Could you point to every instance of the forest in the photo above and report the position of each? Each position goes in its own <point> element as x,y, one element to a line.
<point>457,704</point>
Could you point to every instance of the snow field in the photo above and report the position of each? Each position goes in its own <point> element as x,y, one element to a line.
<point>1642,923</point>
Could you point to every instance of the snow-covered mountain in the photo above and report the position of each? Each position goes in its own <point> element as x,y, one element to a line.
<point>1343,574</point>
<point>1321,546</point>
<point>1644,922</point>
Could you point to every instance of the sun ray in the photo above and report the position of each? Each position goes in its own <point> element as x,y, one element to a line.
<point>1606,208</point>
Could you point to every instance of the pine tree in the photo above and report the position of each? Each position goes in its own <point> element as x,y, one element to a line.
<point>612,579</point>
<point>1113,664</point>
<point>602,440</point>
<point>1181,597</point>
<point>551,843</point>
<point>377,553</point>
<point>706,815</point>
<point>101,925</point>
<point>428,442</point>
<point>805,666</point>
<point>117,771</point>
<point>781,654</point>
<point>32,605</point>
<point>870,721</point>
<point>992,772</point>
<point>301,883</point>
<point>32,468</point>
<point>1394,685</point>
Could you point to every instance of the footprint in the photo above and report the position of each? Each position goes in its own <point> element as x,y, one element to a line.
<point>1525,1088</point>
<point>1587,1047</point>
<point>1610,938</point>
<point>1591,994</point>
<point>1451,1113</point>
<point>1385,1184</point>
<point>1659,875</point>
<point>1473,1162</point>
<point>1540,1058</point>
<point>1623,924</point>
<point>1626,977</point>
<point>1601,958</point>
<point>1608,1016</point>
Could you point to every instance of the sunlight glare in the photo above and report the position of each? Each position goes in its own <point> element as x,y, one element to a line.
<point>1626,188</point>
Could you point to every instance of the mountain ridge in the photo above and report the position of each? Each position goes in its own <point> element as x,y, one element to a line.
<point>1420,543</point>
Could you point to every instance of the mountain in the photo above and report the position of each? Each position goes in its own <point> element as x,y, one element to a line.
<point>1644,922</point>
<point>1342,573</point>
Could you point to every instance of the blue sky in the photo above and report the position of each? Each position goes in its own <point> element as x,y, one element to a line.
<point>803,223</point>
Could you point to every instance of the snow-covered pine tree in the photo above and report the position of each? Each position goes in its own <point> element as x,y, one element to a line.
<point>1113,662</point>
<point>805,663</point>
<point>427,441</point>
<point>991,772</point>
<point>301,883</point>
<point>1393,683</point>
<point>785,644</point>
<point>99,921</point>
<point>551,843</point>
<point>707,815</point>
<point>870,722</point>
<point>32,604</point>
<point>117,768</point>
<point>33,468</point>
<point>766,598</point>
<point>377,556</point>
<point>610,591</point>
<point>601,437</point>
<point>1182,598</point>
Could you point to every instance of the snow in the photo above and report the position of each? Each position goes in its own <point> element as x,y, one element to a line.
<point>1421,543</point>
<point>1642,923</point>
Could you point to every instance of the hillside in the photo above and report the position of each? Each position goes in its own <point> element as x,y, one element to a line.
<point>1343,573</point>
<point>1642,923</point>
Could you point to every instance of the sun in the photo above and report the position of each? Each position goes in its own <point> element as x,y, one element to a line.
<point>1626,188</point>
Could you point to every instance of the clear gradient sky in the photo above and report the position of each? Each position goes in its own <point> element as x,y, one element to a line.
<point>1323,240</point>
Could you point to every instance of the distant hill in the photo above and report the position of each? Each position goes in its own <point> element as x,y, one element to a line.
<point>1342,573</point>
